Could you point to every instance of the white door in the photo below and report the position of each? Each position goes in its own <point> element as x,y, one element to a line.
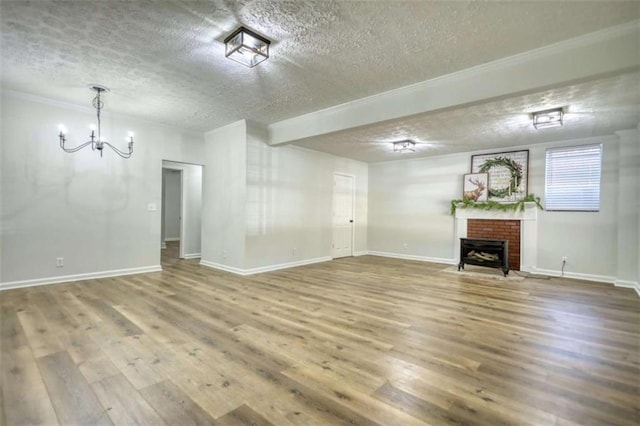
<point>342,215</point>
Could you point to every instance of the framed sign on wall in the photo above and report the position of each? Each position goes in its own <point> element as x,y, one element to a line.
<point>508,174</point>
<point>475,186</point>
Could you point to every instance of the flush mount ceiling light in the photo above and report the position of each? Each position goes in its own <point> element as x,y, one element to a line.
<point>404,146</point>
<point>96,142</point>
<point>548,118</point>
<point>246,47</point>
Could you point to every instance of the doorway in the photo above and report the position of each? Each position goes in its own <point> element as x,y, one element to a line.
<point>180,224</point>
<point>343,208</point>
<point>171,232</point>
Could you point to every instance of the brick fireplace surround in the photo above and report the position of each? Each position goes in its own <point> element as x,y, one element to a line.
<point>498,230</point>
<point>520,228</point>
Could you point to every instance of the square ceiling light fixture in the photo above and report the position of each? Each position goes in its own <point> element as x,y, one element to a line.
<point>404,146</point>
<point>548,118</point>
<point>246,47</point>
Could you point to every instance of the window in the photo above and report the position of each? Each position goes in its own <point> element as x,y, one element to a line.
<point>572,179</point>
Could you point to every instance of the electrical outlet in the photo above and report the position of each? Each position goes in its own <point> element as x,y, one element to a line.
<point>59,262</point>
<point>293,251</point>
<point>405,246</point>
<point>224,254</point>
<point>565,258</point>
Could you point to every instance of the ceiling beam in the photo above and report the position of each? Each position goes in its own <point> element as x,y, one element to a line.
<point>612,50</point>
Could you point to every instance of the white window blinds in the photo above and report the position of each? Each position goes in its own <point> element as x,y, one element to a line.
<point>572,179</point>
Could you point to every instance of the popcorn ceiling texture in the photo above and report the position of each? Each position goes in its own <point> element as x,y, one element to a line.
<point>595,108</point>
<point>164,60</point>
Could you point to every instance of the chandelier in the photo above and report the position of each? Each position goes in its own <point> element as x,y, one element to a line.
<point>96,141</point>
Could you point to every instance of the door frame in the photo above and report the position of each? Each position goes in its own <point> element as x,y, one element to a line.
<point>353,210</point>
<point>183,207</point>
<point>181,166</point>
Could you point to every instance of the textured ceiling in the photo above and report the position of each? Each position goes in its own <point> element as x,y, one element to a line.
<point>164,60</point>
<point>593,108</point>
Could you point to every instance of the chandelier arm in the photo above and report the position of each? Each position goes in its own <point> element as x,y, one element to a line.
<point>120,153</point>
<point>77,148</point>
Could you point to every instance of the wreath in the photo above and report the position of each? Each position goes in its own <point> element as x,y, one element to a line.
<point>516,175</point>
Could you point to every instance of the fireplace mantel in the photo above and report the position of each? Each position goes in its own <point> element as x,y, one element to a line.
<point>530,213</point>
<point>528,230</point>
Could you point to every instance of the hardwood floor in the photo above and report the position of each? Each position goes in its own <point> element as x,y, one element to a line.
<point>363,340</point>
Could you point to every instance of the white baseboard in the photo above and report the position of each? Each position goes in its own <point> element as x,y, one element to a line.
<point>360,253</point>
<point>288,265</point>
<point>575,275</point>
<point>586,277</point>
<point>628,284</point>
<point>192,256</point>
<point>261,269</point>
<point>78,277</point>
<point>413,257</point>
<point>172,239</point>
<point>589,277</point>
<point>222,267</point>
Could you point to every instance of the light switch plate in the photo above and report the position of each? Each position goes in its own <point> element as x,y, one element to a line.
<point>151,207</point>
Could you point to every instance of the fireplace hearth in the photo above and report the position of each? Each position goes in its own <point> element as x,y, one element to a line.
<point>484,252</point>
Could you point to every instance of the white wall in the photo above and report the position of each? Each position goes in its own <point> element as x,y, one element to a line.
<point>224,196</point>
<point>262,202</point>
<point>90,210</point>
<point>290,202</point>
<point>628,208</point>
<point>409,204</point>
<point>587,239</point>
<point>171,204</point>
<point>191,208</point>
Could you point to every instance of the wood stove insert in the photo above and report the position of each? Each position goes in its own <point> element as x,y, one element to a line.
<point>484,252</point>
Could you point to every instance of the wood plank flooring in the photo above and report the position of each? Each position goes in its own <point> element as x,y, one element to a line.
<point>363,340</point>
